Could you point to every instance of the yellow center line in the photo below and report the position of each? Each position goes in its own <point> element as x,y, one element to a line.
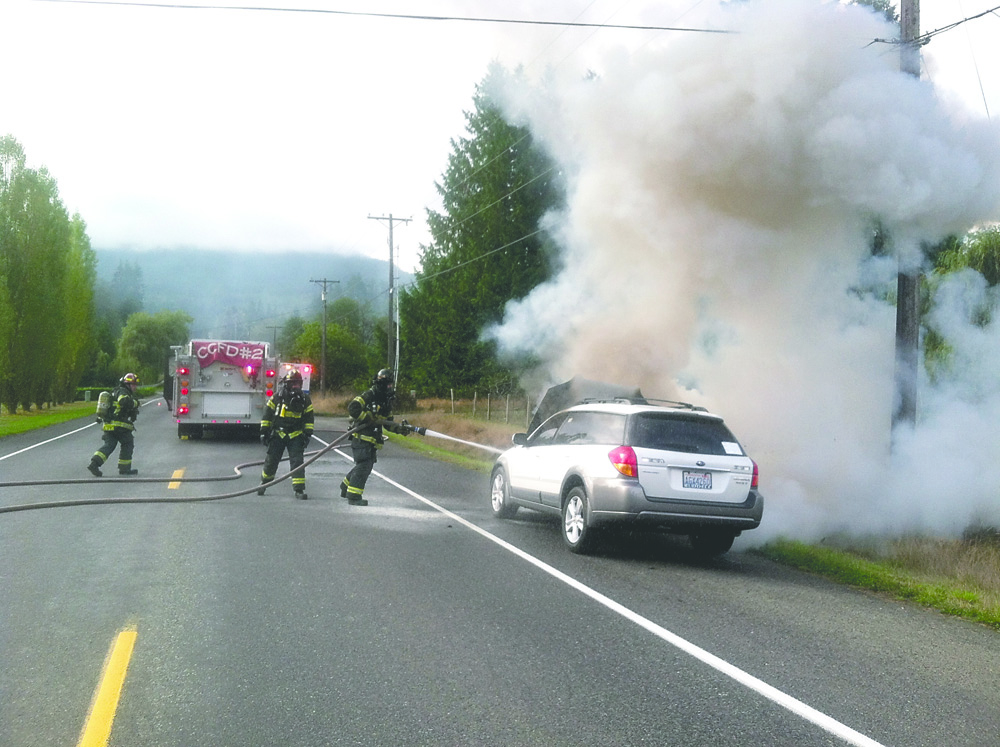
<point>177,475</point>
<point>97,729</point>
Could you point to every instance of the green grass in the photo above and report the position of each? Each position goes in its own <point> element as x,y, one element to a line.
<point>420,445</point>
<point>943,590</point>
<point>21,422</point>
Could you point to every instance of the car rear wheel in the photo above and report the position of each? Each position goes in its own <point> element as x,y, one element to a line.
<point>500,501</point>
<point>711,542</point>
<point>576,530</point>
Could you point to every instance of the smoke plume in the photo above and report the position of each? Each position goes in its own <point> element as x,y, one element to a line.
<point>716,248</point>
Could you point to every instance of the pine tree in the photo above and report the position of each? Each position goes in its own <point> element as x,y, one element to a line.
<point>487,249</point>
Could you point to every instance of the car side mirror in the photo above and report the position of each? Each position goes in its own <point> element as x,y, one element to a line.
<point>519,439</point>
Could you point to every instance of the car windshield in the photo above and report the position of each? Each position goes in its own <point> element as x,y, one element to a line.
<point>671,432</point>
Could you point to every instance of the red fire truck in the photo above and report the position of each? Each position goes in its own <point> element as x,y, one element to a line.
<point>223,385</point>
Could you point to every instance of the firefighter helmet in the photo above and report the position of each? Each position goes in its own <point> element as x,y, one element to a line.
<point>383,379</point>
<point>130,378</point>
<point>293,379</point>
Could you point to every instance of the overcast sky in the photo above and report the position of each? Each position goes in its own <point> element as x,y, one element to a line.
<point>277,129</point>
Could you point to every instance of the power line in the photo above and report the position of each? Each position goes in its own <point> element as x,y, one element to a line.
<point>402,16</point>
<point>926,37</point>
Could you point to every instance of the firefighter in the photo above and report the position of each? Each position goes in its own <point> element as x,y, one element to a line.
<point>287,424</point>
<point>366,410</point>
<point>119,428</point>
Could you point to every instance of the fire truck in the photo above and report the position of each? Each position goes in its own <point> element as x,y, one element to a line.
<point>223,385</point>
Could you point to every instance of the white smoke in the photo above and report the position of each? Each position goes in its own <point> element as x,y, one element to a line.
<point>716,247</point>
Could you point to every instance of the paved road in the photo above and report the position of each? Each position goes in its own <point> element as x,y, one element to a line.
<point>421,620</point>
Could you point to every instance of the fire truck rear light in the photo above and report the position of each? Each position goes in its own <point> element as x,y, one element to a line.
<point>270,373</point>
<point>185,391</point>
<point>270,392</point>
<point>183,410</point>
<point>306,369</point>
<point>183,370</point>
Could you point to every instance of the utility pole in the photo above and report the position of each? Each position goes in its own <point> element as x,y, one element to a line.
<point>322,353</point>
<point>908,279</point>
<point>274,341</point>
<point>391,328</point>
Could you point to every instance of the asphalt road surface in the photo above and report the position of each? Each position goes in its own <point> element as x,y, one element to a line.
<point>421,620</point>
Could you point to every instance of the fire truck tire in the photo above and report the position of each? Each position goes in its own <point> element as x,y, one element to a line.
<point>191,432</point>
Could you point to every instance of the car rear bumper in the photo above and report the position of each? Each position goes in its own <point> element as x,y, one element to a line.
<point>622,502</point>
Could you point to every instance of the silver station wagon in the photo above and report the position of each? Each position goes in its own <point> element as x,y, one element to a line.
<point>635,464</point>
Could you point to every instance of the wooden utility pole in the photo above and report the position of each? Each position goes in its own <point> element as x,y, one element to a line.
<point>274,341</point>
<point>391,327</point>
<point>908,279</point>
<point>322,354</point>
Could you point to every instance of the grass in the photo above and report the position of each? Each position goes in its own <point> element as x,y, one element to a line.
<point>22,421</point>
<point>958,577</point>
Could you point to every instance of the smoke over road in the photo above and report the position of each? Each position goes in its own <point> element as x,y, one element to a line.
<point>723,190</point>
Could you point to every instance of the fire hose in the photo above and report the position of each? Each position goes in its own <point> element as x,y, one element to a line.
<point>313,456</point>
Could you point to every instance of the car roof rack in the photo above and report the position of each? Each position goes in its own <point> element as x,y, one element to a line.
<point>643,401</point>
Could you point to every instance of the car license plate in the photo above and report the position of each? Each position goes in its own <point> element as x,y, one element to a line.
<point>697,480</point>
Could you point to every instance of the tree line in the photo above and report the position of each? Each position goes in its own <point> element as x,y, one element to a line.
<point>47,271</point>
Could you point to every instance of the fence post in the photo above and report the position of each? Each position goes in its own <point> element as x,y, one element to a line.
<point>452,401</point>
<point>488,407</point>
<point>474,396</point>
<point>506,412</point>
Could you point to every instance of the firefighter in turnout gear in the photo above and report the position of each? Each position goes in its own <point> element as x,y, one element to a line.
<point>366,410</point>
<point>287,424</point>
<point>119,427</point>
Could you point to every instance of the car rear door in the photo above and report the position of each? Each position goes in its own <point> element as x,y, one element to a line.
<point>690,457</point>
<point>581,446</point>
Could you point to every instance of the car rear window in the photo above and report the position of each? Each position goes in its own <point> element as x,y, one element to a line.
<point>671,432</point>
<point>592,428</point>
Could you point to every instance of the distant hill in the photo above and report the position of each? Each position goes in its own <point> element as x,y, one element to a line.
<point>240,295</point>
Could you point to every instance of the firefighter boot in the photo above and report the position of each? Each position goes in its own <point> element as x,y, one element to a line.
<point>128,472</point>
<point>95,468</point>
<point>300,493</point>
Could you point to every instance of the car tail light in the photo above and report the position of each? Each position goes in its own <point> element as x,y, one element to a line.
<point>623,459</point>
<point>756,475</point>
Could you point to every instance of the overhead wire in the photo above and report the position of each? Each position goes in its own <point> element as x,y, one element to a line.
<point>370,14</point>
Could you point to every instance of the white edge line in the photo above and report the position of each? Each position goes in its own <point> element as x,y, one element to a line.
<point>69,433</point>
<point>746,679</point>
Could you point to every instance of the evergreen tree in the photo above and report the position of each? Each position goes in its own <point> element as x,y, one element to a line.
<point>487,248</point>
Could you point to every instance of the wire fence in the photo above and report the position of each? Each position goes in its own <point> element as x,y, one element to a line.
<point>515,408</point>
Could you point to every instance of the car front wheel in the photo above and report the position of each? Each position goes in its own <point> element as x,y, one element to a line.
<point>500,501</point>
<point>576,531</point>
